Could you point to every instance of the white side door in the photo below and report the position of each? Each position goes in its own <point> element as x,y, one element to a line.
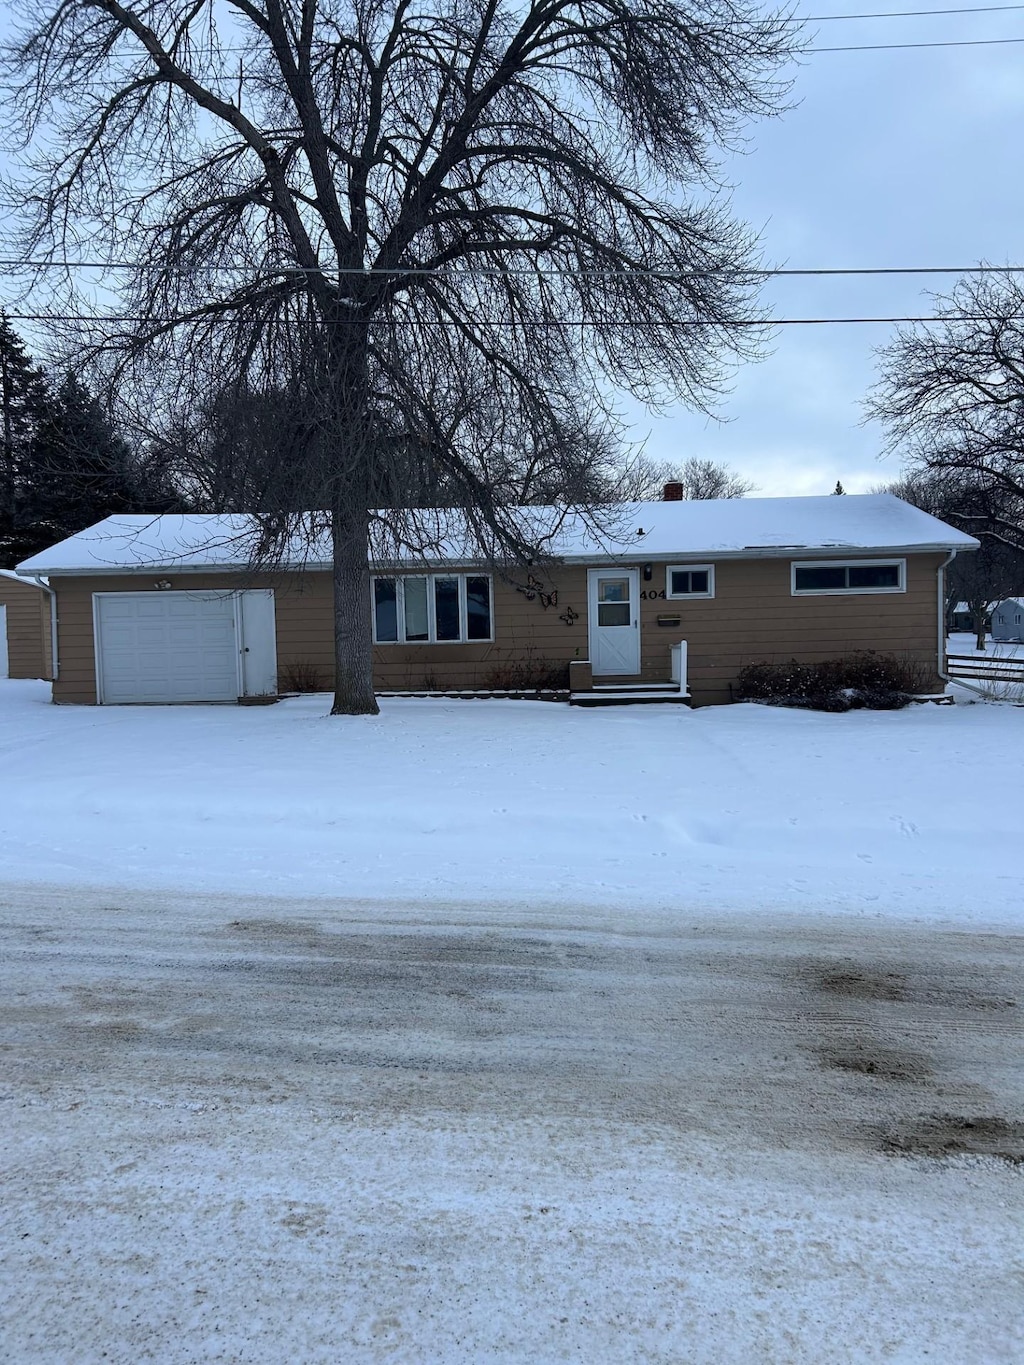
<point>5,661</point>
<point>614,612</point>
<point>258,636</point>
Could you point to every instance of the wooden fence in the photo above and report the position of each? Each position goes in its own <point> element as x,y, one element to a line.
<point>992,668</point>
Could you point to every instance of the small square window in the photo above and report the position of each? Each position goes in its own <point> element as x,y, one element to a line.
<point>690,580</point>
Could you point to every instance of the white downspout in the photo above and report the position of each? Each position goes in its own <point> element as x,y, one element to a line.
<point>941,578</point>
<point>53,624</point>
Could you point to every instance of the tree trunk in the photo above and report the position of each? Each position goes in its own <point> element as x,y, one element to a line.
<point>353,631</point>
<point>979,629</point>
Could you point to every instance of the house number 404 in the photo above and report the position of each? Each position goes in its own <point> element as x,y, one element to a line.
<point>652,595</point>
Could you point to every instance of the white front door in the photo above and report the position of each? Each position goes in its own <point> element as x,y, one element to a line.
<point>4,656</point>
<point>614,611</point>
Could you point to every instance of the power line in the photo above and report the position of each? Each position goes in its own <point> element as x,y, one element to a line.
<point>571,323</point>
<point>899,14</point>
<point>879,47</point>
<point>489,272</point>
<point>795,20</point>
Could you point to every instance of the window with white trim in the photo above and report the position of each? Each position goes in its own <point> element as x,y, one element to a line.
<point>856,576</point>
<point>432,609</point>
<point>690,580</point>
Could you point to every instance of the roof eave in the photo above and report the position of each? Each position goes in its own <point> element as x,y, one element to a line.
<point>633,553</point>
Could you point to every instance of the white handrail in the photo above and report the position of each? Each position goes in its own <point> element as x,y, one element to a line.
<point>679,667</point>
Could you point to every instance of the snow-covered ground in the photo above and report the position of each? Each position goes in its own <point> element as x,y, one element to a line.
<point>965,642</point>
<point>498,1031</point>
<point>912,813</point>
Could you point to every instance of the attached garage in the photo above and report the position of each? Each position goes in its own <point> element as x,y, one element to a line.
<point>167,647</point>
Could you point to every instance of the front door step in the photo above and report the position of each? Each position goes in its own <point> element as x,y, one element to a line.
<point>630,694</point>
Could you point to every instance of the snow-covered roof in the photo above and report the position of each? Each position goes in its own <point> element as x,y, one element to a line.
<point>720,528</point>
<point>10,573</point>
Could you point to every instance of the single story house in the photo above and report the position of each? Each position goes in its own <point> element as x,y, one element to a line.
<point>164,609</point>
<point>1008,619</point>
<point>26,627</point>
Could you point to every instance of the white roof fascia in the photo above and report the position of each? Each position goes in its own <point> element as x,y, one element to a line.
<point>634,555</point>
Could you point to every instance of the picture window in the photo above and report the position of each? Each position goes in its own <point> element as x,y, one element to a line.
<point>432,609</point>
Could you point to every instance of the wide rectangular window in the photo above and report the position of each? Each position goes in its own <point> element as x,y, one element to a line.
<point>690,580</point>
<point>432,609</point>
<point>859,576</point>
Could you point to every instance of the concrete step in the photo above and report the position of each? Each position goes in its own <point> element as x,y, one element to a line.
<point>615,688</point>
<point>644,697</point>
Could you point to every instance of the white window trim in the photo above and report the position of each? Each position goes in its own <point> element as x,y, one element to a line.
<point>709,569</point>
<point>460,577</point>
<point>901,565</point>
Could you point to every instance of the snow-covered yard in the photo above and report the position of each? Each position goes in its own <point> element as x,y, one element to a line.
<point>912,813</point>
<point>508,1032</point>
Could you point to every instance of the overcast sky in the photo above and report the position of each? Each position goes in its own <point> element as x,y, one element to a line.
<point>895,158</point>
<point>888,158</point>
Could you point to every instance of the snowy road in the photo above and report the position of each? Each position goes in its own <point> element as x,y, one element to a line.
<point>259,1130</point>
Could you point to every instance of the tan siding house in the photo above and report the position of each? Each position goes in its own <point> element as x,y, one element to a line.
<point>177,627</point>
<point>25,629</point>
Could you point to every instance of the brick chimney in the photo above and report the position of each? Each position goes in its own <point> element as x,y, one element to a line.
<point>673,492</point>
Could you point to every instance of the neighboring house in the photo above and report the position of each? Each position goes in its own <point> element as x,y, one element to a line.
<point>961,618</point>
<point>1008,619</point>
<point>162,609</point>
<point>25,628</point>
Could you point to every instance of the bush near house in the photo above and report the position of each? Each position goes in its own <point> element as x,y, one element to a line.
<point>878,682</point>
<point>302,676</point>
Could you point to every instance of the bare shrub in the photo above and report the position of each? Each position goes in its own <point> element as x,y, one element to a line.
<point>528,674</point>
<point>876,682</point>
<point>302,676</point>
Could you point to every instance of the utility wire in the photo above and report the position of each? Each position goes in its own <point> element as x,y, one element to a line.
<point>795,20</point>
<point>899,14</point>
<point>434,272</point>
<point>880,47</point>
<point>578,322</point>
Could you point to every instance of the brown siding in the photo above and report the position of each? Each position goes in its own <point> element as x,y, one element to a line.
<point>752,617</point>
<point>529,640</point>
<point>28,628</point>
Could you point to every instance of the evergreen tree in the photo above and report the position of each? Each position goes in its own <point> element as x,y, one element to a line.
<point>78,470</point>
<point>23,400</point>
<point>839,491</point>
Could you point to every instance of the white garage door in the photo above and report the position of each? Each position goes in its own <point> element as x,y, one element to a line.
<point>166,647</point>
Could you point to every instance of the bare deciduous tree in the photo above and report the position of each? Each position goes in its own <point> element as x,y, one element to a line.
<point>456,222</point>
<point>951,397</point>
<point>644,479</point>
<point>974,504</point>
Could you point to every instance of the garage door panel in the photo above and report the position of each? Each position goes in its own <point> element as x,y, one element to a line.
<point>166,647</point>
